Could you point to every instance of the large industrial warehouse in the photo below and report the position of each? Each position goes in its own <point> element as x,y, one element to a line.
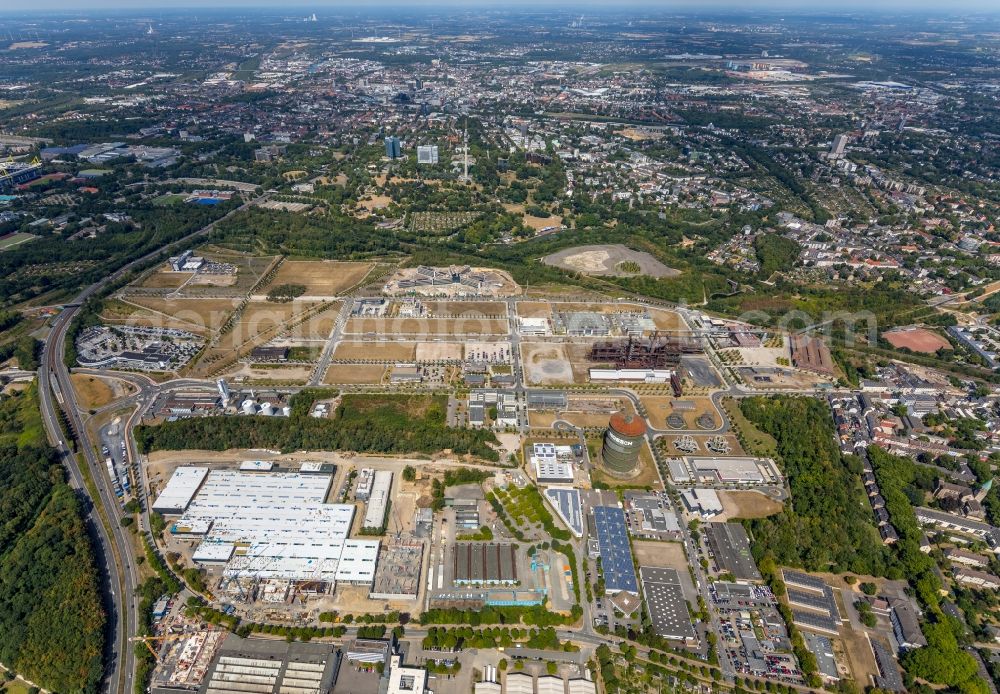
<point>272,525</point>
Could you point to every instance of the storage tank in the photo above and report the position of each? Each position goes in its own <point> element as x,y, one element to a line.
<point>266,409</point>
<point>249,406</point>
<point>286,411</point>
<point>622,442</point>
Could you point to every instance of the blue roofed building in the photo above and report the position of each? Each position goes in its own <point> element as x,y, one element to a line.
<point>616,553</point>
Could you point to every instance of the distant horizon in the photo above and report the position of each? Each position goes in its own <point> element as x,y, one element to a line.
<point>796,7</point>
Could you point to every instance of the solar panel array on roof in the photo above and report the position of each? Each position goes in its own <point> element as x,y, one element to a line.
<point>566,502</point>
<point>616,554</point>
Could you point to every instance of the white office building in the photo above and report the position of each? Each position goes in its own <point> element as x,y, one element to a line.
<point>427,154</point>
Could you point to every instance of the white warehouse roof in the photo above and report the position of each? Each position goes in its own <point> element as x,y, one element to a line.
<point>378,499</point>
<point>181,488</point>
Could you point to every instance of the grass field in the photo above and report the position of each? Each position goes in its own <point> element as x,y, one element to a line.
<point>163,278</point>
<point>755,441</point>
<point>321,277</point>
<point>169,199</point>
<point>15,240</point>
<point>91,392</point>
<point>439,351</point>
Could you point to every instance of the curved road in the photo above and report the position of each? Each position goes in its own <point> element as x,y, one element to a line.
<point>115,550</point>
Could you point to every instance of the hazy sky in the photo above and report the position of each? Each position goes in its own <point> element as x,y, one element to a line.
<point>789,5</point>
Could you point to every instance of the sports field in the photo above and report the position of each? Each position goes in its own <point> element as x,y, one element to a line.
<point>916,340</point>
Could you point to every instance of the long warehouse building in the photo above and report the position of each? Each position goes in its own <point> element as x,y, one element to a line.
<point>378,500</point>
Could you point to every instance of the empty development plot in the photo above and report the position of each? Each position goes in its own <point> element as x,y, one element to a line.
<point>377,351</point>
<point>201,316</point>
<point>667,320</point>
<point>321,277</point>
<point>427,326</point>
<point>748,504</point>
<point>613,260</point>
<point>439,351</point>
<point>355,374</point>
<point>546,364</point>
<point>259,322</point>
<point>664,555</point>
<point>272,374</point>
<point>262,320</point>
<point>93,392</point>
<point>318,326</point>
<point>916,340</point>
<point>534,309</point>
<point>165,278</point>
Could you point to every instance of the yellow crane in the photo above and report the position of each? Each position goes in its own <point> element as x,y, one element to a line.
<point>166,637</point>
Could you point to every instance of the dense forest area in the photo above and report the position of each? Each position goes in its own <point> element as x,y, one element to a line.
<point>51,619</point>
<point>824,527</point>
<point>55,263</point>
<point>363,423</point>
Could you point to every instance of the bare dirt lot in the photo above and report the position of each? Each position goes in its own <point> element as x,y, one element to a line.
<point>355,374</point>
<point>381,351</point>
<point>426,326</point>
<point>665,555</point>
<point>534,309</point>
<point>277,374</point>
<point>321,277</point>
<point>916,340</point>
<point>748,505</point>
<point>667,320</point>
<point>439,351</point>
<point>615,260</point>
<point>546,363</point>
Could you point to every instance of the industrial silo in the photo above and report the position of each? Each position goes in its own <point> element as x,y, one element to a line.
<point>622,443</point>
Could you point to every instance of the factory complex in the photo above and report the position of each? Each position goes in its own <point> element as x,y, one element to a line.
<point>264,525</point>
